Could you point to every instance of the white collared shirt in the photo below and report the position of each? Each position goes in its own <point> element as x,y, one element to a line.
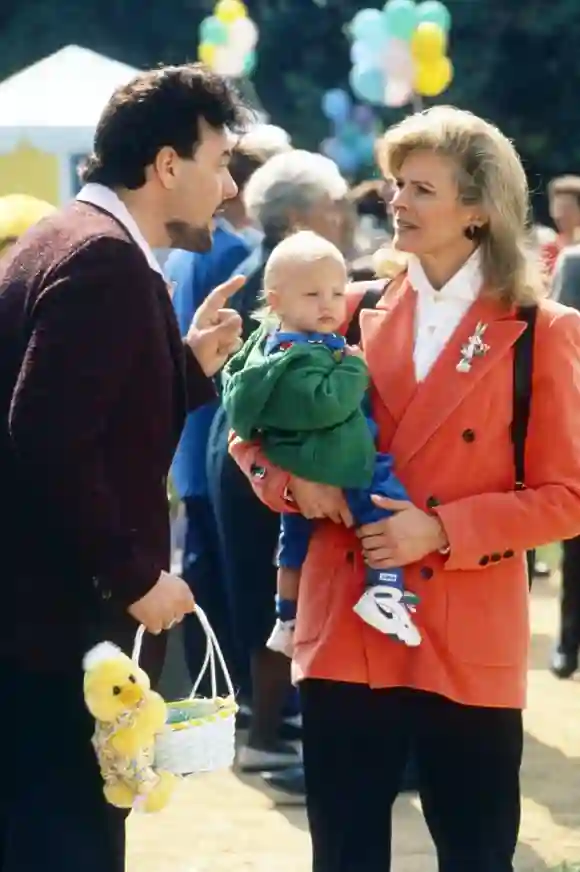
<point>105,198</point>
<point>438,313</point>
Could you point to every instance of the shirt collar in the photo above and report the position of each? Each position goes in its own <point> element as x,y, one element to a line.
<point>106,199</point>
<point>464,286</point>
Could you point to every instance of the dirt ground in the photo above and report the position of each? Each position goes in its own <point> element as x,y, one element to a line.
<point>220,822</point>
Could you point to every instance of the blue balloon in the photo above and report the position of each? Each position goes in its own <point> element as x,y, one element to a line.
<point>368,25</point>
<point>336,105</point>
<point>362,54</point>
<point>365,148</point>
<point>346,158</point>
<point>368,83</point>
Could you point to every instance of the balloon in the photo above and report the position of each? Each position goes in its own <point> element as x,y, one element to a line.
<point>398,93</point>
<point>349,134</point>
<point>228,63</point>
<point>365,55</point>
<point>365,148</point>
<point>230,10</point>
<point>398,62</point>
<point>434,12</point>
<point>328,147</point>
<point>400,17</point>
<point>364,116</point>
<point>243,34</point>
<point>366,25</point>
<point>336,105</point>
<point>433,78</point>
<point>206,52</point>
<point>368,83</point>
<point>250,61</point>
<point>345,158</point>
<point>429,42</point>
<point>213,30</point>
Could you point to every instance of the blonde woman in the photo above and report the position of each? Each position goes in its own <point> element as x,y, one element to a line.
<point>439,348</point>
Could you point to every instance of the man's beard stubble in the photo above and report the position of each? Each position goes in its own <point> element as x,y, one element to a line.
<point>187,237</point>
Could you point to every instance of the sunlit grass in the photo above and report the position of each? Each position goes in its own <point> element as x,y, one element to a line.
<point>550,554</point>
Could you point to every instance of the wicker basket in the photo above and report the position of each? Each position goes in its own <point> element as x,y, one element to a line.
<point>199,735</point>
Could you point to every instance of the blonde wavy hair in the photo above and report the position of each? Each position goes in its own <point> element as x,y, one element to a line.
<point>490,175</point>
<point>303,247</point>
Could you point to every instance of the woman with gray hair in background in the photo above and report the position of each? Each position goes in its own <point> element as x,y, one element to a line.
<point>291,191</point>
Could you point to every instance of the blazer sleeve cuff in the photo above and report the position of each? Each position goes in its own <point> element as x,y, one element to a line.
<point>200,388</point>
<point>459,553</point>
<point>270,483</point>
<point>130,580</point>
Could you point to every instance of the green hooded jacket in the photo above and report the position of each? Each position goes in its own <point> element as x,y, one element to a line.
<point>304,405</point>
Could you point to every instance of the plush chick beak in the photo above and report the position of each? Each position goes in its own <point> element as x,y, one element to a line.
<point>130,695</point>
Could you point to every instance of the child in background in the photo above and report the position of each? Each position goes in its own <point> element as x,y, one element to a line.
<point>300,391</point>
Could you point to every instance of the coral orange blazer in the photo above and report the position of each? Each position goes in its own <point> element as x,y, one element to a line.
<point>450,436</point>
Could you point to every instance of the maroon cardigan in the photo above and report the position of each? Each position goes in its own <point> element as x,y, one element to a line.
<point>95,384</point>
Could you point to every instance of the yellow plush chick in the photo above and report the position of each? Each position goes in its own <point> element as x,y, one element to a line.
<point>128,715</point>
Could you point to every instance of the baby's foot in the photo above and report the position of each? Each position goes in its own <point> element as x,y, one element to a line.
<point>383,608</point>
<point>282,638</point>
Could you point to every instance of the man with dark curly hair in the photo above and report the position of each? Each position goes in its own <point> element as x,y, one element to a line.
<point>95,384</point>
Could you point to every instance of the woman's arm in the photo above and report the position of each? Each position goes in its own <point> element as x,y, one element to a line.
<point>486,528</point>
<point>269,482</point>
<point>284,493</point>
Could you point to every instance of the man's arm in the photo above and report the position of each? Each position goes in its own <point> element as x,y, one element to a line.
<point>566,279</point>
<point>84,347</point>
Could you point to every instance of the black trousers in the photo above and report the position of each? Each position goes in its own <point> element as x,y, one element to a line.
<point>356,742</point>
<point>52,811</point>
<point>202,569</point>
<point>569,641</point>
<point>248,535</point>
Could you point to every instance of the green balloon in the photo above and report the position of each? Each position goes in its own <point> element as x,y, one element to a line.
<point>250,63</point>
<point>434,12</point>
<point>213,31</point>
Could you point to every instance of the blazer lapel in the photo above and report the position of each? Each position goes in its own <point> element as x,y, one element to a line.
<point>444,388</point>
<point>387,339</point>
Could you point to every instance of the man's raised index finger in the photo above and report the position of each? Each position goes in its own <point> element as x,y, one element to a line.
<point>220,295</point>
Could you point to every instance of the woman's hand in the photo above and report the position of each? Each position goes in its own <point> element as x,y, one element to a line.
<point>406,537</point>
<point>320,501</point>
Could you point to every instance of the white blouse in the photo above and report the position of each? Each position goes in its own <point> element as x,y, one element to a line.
<point>439,312</point>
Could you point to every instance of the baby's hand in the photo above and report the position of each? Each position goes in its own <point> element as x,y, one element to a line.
<point>354,351</point>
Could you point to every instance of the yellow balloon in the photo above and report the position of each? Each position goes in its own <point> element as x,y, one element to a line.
<point>428,43</point>
<point>432,79</point>
<point>206,53</point>
<point>230,10</point>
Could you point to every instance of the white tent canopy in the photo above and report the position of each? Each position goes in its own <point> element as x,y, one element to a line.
<point>55,104</point>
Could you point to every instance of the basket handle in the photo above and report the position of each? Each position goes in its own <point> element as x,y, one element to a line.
<point>212,652</point>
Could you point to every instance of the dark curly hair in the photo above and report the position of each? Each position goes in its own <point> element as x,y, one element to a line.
<point>159,108</point>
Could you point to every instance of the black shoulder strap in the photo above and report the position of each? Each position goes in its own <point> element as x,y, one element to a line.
<point>522,390</point>
<point>369,300</point>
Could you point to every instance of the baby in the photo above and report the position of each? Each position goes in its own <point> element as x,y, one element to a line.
<point>298,389</point>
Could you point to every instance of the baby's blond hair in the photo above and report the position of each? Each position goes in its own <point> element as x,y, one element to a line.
<point>304,247</point>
